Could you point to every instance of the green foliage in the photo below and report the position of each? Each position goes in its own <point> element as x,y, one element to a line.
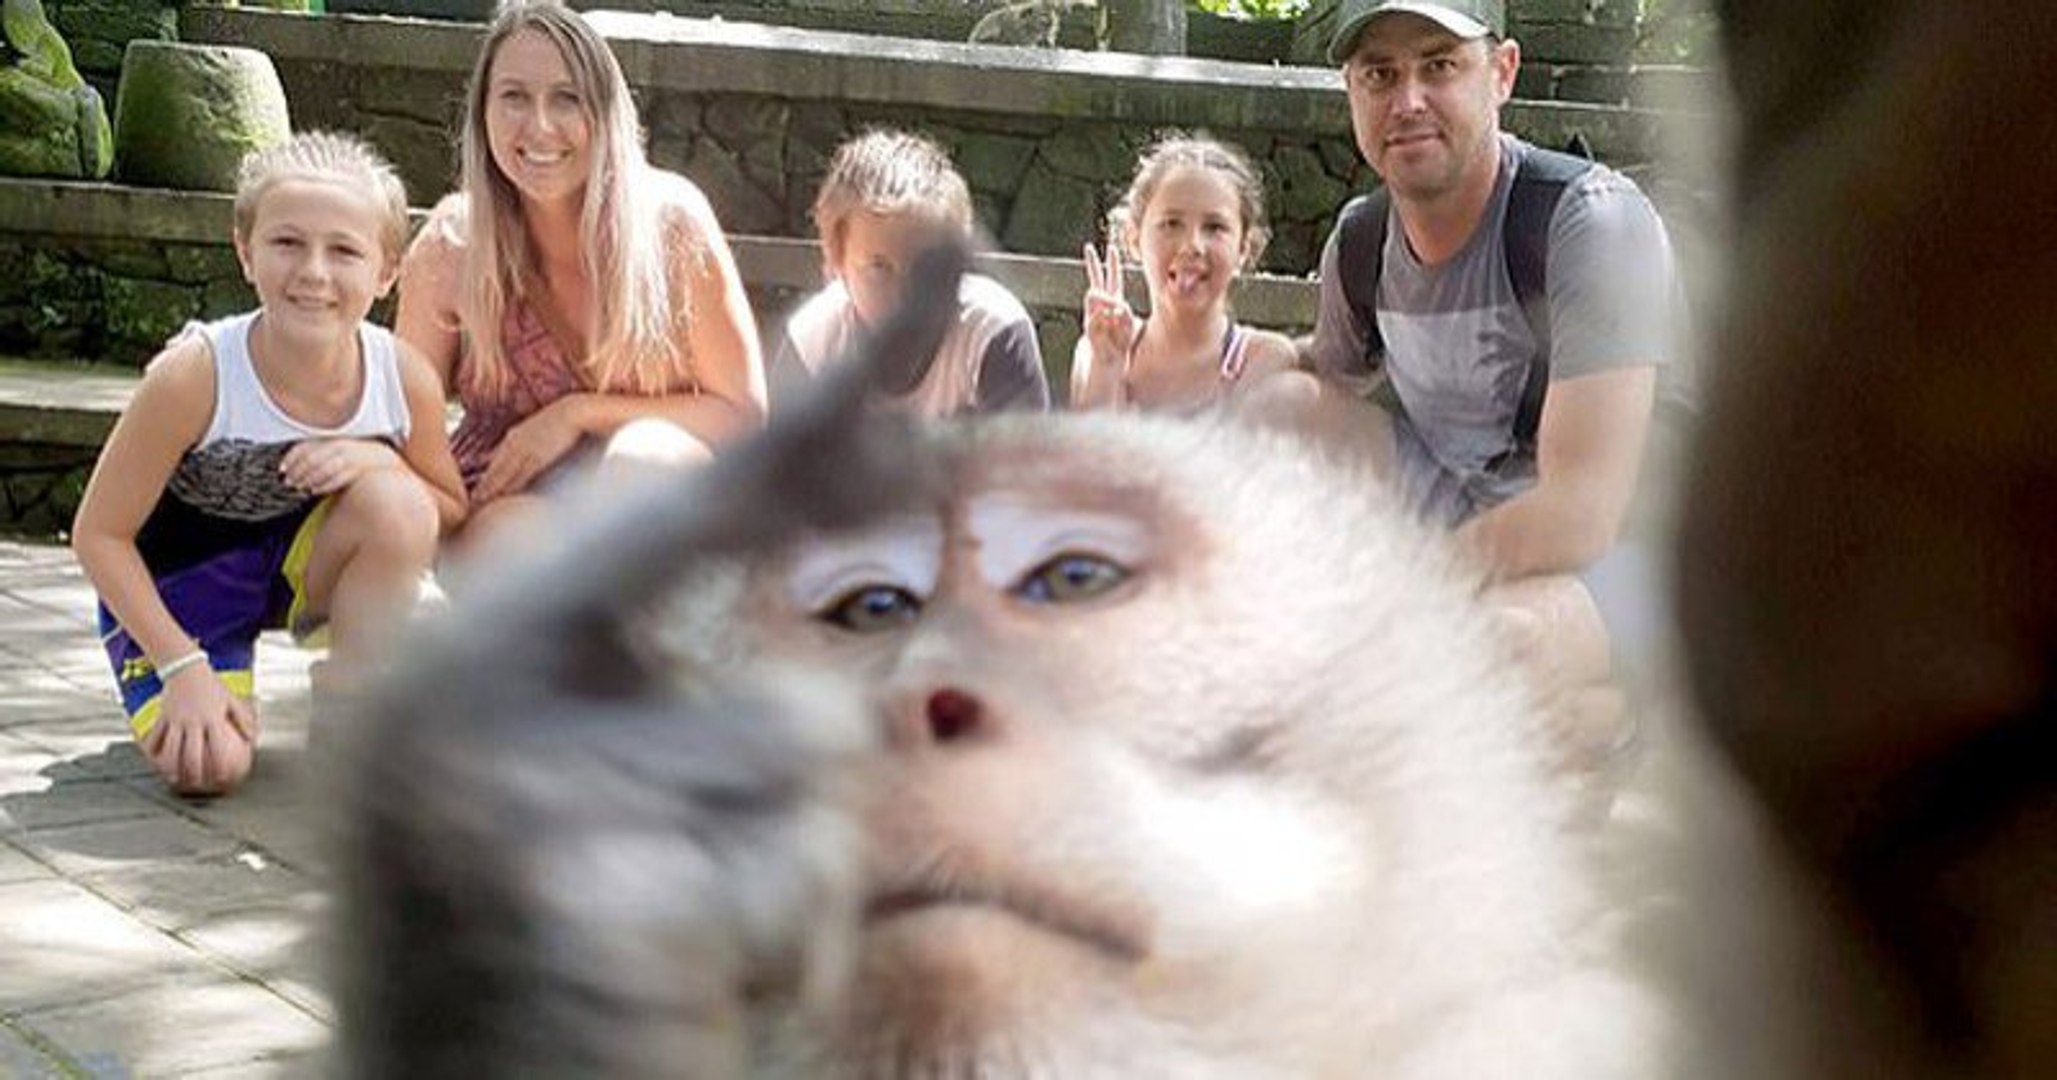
<point>1252,9</point>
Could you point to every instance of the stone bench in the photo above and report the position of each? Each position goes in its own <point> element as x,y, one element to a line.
<point>61,404</point>
<point>53,417</point>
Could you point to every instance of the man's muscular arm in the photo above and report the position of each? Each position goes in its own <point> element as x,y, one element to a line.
<point>1589,447</point>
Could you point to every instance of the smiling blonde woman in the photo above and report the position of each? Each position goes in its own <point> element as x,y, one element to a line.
<point>574,297</point>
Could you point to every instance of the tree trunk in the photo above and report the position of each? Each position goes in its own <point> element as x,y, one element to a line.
<point>1156,27</point>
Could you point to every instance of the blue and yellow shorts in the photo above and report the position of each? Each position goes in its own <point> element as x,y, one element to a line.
<point>224,601</point>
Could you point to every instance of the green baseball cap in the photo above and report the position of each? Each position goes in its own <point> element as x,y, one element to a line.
<point>1465,18</point>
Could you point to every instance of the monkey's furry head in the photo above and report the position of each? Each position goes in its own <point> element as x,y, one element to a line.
<point>1181,720</point>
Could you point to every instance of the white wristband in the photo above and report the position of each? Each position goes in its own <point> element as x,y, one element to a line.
<point>172,667</point>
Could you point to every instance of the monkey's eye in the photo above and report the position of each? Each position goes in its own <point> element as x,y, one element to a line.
<point>872,609</point>
<point>1070,577</point>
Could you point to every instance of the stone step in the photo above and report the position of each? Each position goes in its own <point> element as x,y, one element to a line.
<point>60,403</point>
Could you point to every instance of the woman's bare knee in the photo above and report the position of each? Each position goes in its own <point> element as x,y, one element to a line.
<point>653,442</point>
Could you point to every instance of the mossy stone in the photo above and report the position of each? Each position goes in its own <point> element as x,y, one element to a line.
<point>145,312</point>
<point>47,130</point>
<point>188,114</point>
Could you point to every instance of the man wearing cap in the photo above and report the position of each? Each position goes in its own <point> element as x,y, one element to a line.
<point>1451,352</point>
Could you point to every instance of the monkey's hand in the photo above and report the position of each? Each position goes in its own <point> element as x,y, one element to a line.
<point>572,854</point>
<point>597,888</point>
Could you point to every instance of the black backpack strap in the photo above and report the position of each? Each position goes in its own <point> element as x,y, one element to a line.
<point>1360,258</point>
<point>1538,185</point>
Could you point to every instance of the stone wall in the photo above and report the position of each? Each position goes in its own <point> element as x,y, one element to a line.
<point>40,485</point>
<point>1046,138</point>
<point>1574,50</point>
<point>90,271</point>
<point>99,30</point>
<point>1586,50</point>
<point>1208,35</point>
<point>105,272</point>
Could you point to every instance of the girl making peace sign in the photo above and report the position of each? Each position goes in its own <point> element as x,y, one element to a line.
<point>1194,218</point>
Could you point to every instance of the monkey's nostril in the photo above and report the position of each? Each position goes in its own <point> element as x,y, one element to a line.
<point>953,714</point>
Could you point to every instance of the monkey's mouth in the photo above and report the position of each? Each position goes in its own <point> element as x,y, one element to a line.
<point>1103,932</point>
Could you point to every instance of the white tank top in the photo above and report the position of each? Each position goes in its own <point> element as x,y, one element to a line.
<point>233,471</point>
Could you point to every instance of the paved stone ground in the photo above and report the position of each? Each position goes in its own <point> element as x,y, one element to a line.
<point>143,935</point>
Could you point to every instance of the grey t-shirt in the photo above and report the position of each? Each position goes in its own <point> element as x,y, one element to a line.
<point>988,361</point>
<point>1458,347</point>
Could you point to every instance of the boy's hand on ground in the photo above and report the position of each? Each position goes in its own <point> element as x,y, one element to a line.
<point>204,735</point>
<point>326,466</point>
<point>528,448</point>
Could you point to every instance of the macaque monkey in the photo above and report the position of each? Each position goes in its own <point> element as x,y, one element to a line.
<point>1092,747</point>
<point>1163,751</point>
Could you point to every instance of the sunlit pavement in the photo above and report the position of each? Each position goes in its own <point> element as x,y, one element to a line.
<point>141,934</point>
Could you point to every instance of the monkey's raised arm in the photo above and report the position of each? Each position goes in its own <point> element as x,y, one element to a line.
<point>560,858</point>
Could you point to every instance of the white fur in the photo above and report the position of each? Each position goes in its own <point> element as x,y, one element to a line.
<point>1379,883</point>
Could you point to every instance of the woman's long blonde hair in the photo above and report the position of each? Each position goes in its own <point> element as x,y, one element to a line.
<point>635,344</point>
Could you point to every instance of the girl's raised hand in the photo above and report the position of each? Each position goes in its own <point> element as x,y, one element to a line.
<point>1109,323</point>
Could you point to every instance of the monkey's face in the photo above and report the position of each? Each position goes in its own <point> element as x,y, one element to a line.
<point>1126,793</point>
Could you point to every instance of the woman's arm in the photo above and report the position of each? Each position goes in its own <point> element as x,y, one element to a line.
<point>721,331</point>
<point>427,450</point>
<point>429,318</point>
<point>721,339</point>
<point>169,412</point>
